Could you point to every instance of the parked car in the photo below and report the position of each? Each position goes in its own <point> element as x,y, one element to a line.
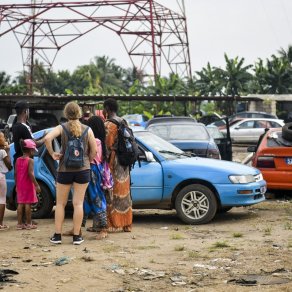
<point>249,130</point>
<point>273,156</point>
<point>246,115</point>
<point>38,121</point>
<point>186,134</point>
<point>164,178</point>
<point>136,120</point>
<point>223,143</point>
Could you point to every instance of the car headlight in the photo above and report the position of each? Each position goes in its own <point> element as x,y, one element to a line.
<point>242,179</point>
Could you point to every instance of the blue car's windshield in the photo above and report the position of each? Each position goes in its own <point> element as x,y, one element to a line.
<point>167,150</point>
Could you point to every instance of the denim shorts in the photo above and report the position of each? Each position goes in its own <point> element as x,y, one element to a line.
<point>79,177</point>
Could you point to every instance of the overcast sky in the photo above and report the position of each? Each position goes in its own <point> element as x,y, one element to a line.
<point>245,28</point>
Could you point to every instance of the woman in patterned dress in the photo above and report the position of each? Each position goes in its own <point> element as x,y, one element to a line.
<point>120,208</point>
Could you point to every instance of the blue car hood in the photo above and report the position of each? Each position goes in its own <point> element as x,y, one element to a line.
<point>212,170</point>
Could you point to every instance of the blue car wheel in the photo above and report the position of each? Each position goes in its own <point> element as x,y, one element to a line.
<point>196,204</point>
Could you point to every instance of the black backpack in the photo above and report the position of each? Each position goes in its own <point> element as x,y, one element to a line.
<point>127,148</point>
<point>74,153</point>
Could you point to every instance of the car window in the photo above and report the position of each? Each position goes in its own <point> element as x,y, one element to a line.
<point>272,140</point>
<point>246,125</point>
<point>261,124</point>
<point>180,132</point>
<point>274,125</point>
<point>215,133</point>
<point>159,145</point>
<point>159,130</point>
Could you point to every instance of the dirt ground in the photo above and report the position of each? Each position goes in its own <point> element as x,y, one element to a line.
<point>246,249</point>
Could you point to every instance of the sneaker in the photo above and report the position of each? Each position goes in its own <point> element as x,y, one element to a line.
<point>77,239</point>
<point>56,239</point>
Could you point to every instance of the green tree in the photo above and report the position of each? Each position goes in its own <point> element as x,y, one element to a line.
<point>234,79</point>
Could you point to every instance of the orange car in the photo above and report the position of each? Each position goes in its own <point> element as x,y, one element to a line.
<point>273,157</point>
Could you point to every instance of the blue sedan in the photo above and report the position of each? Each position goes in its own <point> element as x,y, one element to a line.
<point>164,178</point>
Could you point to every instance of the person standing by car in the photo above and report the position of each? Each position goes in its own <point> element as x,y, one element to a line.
<point>26,184</point>
<point>68,177</point>
<point>5,166</point>
<point>21,128</point>
<point>101,181</point>
<point>120,209</point>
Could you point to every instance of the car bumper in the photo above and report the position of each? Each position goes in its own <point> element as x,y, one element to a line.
<point>242,194</point>
<point>278,180</point>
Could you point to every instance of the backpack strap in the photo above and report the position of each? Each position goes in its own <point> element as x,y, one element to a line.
<point>84,133</point>
<point>114,121</point>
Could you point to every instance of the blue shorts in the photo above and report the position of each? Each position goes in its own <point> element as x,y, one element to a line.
<point>68,178</point>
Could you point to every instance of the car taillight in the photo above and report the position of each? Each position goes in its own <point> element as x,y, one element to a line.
<point>265,162</point>
<point>213,153</point>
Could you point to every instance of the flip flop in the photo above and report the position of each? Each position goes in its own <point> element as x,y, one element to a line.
<point>20,226</point>
<point>30,226</point>
<point>4,227</point>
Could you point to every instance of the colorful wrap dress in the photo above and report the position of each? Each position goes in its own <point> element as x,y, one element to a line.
<point>120,208</point>
<point>95,201</point>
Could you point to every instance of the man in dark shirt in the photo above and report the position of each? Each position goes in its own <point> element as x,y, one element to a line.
<point>20,127</point>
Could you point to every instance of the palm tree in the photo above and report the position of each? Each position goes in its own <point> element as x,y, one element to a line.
<point>286,54</point>
<point>208,81</point>
<point>235,79</point>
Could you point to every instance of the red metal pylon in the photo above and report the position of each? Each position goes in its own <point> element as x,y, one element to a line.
<point>154,36</point>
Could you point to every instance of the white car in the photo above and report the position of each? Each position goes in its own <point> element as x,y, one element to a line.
<point>249,130</point>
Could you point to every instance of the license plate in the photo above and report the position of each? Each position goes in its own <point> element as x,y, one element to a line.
<point>263,190</point>
<point>288,160</point>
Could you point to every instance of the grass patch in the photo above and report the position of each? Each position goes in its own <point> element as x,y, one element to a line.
<point>152,261</point>
<point>147,247</point>
<point>179,248</point>
<point>193,254</point>
<point>176,236</point>
<point>289,244</point>
<point>220,244</point>
<point>237,234</point>
<point>288,226</point>
<point>268,230</point>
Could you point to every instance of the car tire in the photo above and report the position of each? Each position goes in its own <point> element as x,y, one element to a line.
<point>45,204</point>
<point>224,209</point>
<point>196,204</point>
<point>287,132</point>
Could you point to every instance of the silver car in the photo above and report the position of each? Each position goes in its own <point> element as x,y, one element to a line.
<point>249,130</point>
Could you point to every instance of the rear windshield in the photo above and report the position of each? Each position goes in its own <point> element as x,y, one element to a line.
<point>273,141</point>
<point>180,132</point>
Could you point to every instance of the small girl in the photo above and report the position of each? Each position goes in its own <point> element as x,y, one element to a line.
<point>26,184</point>
<point>5,166</point>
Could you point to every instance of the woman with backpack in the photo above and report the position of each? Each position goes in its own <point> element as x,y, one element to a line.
<point>78,148</point>
<point>119,210</point>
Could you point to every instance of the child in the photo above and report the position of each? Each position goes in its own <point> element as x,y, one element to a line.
<point>26,184</point>
<point>5,166</point>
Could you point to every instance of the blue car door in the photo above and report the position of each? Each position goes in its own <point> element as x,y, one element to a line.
<point>146,183</point>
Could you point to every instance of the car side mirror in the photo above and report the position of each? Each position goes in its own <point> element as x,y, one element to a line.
<point>236,128</point>
<point>251,149</point>
<point>146,156</point>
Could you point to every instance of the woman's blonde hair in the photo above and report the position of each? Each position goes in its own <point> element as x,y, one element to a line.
<point>72,112</point>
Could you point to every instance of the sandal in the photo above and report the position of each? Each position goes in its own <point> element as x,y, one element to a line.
<point>30,226</point>
<point>127,228</point>
<point>93,229</point>
<point>4,227</point>
<point>101,235</point>
<point>20,226</point>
